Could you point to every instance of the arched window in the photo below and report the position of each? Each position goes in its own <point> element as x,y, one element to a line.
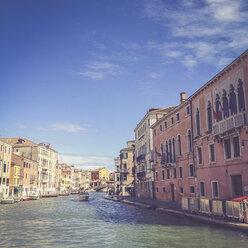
<point>179,148</point>
<point>189,141</point>
<point>173,150</point>
<point>167,151</point>
<point>218,108</point>
<point>209,116</point>
<point>198,125</point>
<point>241,98</point>
<point>225,105</point>
<point>233,102</point>
<point>170,152</point>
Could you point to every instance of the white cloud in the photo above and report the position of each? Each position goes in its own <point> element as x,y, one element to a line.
<point>207,31</point>
<point>88,162</point>
<point>100,70</point>
<point>67,127</point>
<point>148,88</point>
<point>154,75</point>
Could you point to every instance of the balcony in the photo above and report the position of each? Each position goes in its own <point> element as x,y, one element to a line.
<point>140,158</point>
<point>230,123</point>
<point>124,171</point>
<point>141,175</point>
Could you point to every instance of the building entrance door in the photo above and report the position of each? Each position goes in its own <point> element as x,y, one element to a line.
<point>237,185</point>
<point>172,192</point>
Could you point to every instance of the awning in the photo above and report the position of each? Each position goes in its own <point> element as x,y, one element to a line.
<point>18,188</point>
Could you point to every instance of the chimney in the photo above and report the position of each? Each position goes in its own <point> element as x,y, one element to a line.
<point>183,97</point>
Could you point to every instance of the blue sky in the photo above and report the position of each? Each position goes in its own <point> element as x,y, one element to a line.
<point>80,74</point>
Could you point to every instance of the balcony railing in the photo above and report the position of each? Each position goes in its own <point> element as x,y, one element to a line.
<point>124,170</point>
<point>230,123</point>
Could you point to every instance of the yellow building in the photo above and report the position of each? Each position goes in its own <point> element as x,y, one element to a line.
<point>100,174</point>
<point>15,179</point>
<point>66,182</point>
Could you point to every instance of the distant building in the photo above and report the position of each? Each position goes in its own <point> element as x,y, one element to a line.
<point>117,174</point>
<point>45,156</point>
<point>5,163</point>
<point>26,180</point>
<point>127,170</point>
<point>144,185</point>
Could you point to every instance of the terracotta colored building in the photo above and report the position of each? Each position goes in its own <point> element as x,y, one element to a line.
<point>173,153</point>
<point>200,148</point>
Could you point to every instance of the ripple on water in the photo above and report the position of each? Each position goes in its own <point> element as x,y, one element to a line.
<point>65,222</point>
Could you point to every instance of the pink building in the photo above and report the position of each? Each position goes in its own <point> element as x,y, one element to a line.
<point>201,147</point>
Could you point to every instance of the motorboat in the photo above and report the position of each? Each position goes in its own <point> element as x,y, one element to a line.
<point>83,196</point>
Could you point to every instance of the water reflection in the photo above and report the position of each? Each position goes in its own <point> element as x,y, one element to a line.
<point>65,222</point>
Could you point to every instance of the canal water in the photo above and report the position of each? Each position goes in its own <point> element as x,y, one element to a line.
<point>66,222</point>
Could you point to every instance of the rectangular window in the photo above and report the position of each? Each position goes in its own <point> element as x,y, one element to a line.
<point>4,168</point>
<point>172,120</point>
<point>212,153</point>
<point>157,190</point>
<point>202,189</point>
<point>180,172</point>
<point>7,183</point>
<point>192,189</point>
<point>124,177</point>
<point>4,180</point>
<point>154,132</point>
<point>227,147</point>
<point>156,176</point>
<point>187,110</point>
<point>163,175</point>
<point>175,172</point>
<point>236,148</point>
<point>164,189</point>
<point>160,127</point>
<point>199,150</point>
<point>181,190</point>
<point>165,124</point>
<point>191,170</point>
<point>215,190</point>
<point>168,173</point>
<point>178,117</point>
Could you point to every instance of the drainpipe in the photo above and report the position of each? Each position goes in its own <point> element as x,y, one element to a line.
<point>192,136</point>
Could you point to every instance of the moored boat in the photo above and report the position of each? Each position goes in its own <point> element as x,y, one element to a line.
<point>34,197</point>
<point>7,201</point>
<point>25,198</point>
<point>84,196</point>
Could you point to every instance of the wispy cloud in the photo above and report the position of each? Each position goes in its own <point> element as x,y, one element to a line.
<point>67,127</point>
<point>148,88</point>
<point>154,75</point>
<point>88,162</point>
<point>208,31</point>
<point>101,69</point>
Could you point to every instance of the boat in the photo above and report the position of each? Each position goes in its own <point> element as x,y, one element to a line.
<point>50,195</point>
<point>25,198</point>
<point>17,199</point>
<point>34,197</point>
<point>7,201</point>
<point>64,194</point>
<point>84,196</point>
